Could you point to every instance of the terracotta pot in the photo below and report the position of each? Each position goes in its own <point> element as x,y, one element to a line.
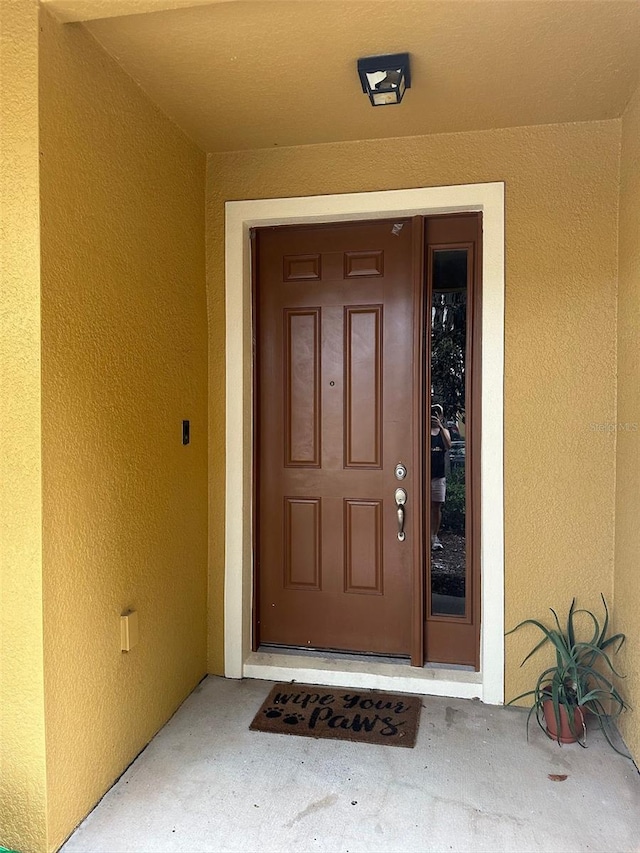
<point>566,735</point>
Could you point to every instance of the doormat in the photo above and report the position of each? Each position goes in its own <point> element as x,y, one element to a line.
<point>366,716</point>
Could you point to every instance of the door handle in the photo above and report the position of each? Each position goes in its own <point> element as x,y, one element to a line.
<point>401,499</point>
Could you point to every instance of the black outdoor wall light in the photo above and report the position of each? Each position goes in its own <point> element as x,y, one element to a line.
<point>385,78</point>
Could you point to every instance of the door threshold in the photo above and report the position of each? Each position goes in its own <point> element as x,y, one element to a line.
<point>380,674</point>
<point>333,654</point>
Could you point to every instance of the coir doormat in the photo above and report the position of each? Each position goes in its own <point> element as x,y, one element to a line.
<point>367,716</point>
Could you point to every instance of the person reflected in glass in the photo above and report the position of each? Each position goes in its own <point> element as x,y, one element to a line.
<point>454,432</point>
<point>440,443</point>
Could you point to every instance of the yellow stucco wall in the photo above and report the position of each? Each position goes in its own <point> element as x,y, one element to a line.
<point>22,733</point>
<point>627,588</point>
<point>561,269</point>
<point>124,335</point>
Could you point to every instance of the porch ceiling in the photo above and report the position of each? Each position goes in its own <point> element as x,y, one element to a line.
<point>245,74</point>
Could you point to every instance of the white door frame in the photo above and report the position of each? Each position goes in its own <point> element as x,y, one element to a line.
<point>240,661</point>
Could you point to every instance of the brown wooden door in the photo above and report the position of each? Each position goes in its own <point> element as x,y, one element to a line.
<point>336,312</point>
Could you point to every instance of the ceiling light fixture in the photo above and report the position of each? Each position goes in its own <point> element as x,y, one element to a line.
<point>385,78</point>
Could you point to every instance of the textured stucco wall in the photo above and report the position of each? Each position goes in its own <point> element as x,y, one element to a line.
<point>561,268</point>
<point>22,739</point>
<point>124,340</point>
<point>626,585</point>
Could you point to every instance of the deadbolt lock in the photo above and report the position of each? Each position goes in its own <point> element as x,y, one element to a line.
<point>401,471</point>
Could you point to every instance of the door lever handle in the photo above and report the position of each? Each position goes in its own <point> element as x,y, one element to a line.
<point>401,499</point>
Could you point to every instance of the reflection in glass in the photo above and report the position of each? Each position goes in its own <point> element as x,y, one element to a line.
<point>448,446</point>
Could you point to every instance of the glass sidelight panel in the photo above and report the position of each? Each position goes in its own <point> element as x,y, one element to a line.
<point>448,575</point>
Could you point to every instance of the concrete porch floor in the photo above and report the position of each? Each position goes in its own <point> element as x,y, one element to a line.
<point>472,783</point>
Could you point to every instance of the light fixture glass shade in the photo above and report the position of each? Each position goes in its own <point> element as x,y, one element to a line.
<point>380,98</point>
<point>385,78</point>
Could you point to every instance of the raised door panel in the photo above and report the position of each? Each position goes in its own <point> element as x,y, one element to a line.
<point>301,546</point>
<point>302,387</point>
<point>363,556</point>
<point>363,386</point>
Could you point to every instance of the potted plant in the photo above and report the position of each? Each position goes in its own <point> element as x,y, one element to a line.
<point>579,685</point>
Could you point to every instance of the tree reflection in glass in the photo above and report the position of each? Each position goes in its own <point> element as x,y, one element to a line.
<point>448,446</point>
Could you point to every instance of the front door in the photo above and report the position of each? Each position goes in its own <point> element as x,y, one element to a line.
<point>338,390</point>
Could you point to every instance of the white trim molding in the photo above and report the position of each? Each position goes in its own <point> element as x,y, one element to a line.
<point>241,216</point>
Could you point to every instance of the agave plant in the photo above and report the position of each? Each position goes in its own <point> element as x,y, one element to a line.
<point>581,677</point>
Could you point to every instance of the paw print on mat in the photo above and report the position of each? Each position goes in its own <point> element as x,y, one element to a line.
<point>293,719</point>
<point>272,712</point>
